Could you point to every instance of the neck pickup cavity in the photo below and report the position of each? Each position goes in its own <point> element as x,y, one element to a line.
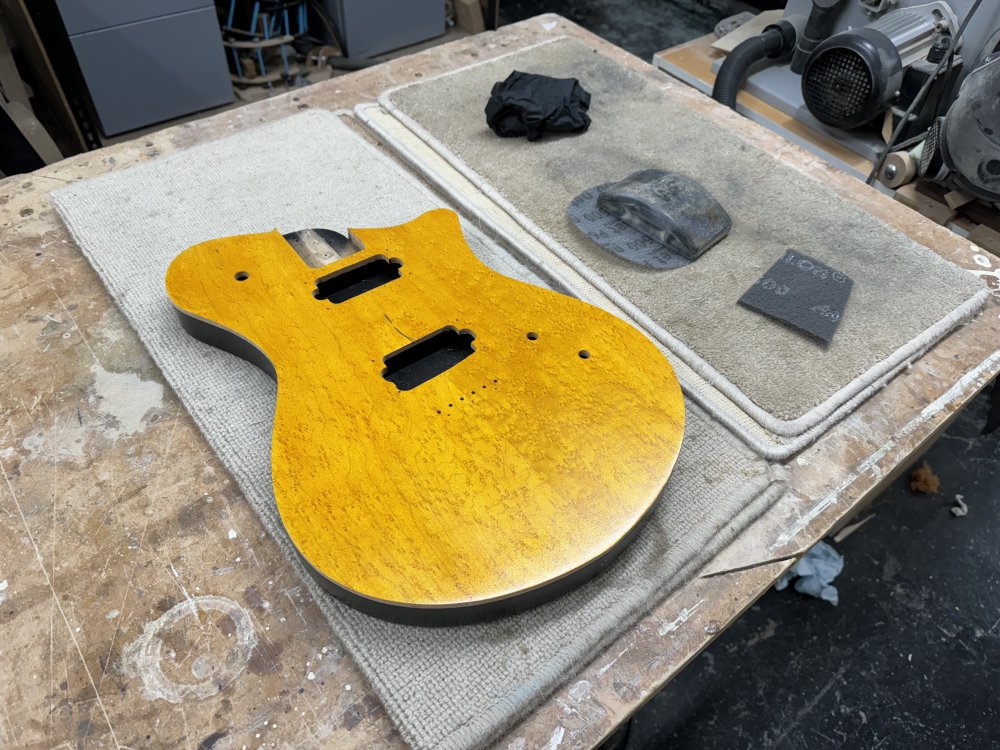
<point>355,280</point>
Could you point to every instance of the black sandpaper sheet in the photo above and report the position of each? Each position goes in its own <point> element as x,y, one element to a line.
<point>802,292</point>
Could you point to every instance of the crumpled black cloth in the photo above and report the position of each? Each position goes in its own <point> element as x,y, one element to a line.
<point>530,104</point>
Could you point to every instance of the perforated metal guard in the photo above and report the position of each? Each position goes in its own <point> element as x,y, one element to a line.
<point>838,86</point>
<point>930,150</point>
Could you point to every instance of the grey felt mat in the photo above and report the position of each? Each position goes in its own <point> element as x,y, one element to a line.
<point>476,202</point>
<point>905,296</point>
<point>449,688</point>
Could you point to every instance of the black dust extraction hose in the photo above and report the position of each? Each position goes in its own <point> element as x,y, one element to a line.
<point>818,28</point>
<point>775,41</point>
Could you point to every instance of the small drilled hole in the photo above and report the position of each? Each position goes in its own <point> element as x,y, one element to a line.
<point>993,166</point>
<point>241,276</point>
<point>532,336</point>
<point>584,354</point>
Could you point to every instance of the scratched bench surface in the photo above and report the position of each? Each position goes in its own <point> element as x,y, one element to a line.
<point>141,602</point>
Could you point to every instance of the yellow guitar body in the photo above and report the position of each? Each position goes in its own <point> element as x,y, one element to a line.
<point>517,470</point>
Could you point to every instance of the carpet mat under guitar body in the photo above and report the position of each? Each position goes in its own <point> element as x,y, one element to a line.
<point>457,687</point>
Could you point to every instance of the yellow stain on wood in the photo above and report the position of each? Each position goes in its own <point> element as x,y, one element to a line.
<point>520,464</point>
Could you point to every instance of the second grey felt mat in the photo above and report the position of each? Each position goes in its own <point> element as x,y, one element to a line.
<point>905,295</point>
<point>444,687</point>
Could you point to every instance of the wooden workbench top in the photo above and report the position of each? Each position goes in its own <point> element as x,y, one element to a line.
<point>142,603</point>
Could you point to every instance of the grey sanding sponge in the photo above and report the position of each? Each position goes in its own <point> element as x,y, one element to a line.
<point>653,218</point>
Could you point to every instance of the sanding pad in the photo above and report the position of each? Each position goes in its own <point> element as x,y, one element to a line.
<point>653,218</point>
<point>617,237</point>
<point>802,292</point>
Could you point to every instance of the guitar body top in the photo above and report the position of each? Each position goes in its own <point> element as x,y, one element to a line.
<point>449,444</point>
